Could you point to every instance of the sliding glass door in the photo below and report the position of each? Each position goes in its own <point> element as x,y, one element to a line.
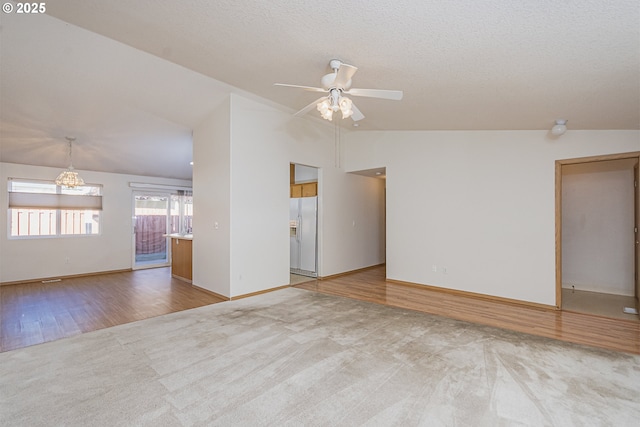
<point>151,216</point>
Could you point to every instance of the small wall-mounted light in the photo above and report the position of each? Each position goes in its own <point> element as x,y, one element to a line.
<point>560,127</point>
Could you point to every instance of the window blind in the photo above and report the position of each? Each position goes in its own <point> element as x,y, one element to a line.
<point>54,201</point>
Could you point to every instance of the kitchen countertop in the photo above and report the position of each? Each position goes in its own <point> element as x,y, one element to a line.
<point>180,236</point>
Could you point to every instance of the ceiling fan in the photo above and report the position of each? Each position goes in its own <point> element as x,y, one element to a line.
<point>338,84</point>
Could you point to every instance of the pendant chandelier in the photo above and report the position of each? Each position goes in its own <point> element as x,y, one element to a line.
<point>69,178</point>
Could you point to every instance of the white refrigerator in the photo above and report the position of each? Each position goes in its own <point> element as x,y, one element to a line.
<point>303,226</point>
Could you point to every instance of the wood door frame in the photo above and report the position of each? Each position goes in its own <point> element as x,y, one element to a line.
<point>558,171</point>
<point>636,219</point>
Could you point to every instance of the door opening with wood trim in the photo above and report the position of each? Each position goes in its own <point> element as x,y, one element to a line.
<point>596,235</point>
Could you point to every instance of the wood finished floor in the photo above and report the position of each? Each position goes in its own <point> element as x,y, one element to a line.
<point>34,313</point>
<point>597,331</point>
<point>607,305</point>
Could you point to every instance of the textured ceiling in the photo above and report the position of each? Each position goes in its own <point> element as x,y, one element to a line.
<point>465,65</point>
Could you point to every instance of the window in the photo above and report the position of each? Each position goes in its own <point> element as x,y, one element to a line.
<point>182,212</point>
<point>42,208</point>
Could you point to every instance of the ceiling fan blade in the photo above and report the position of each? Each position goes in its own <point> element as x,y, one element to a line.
<point>357,114</point>
<point>395,95</point>
<point>309,107</point>
<point>345,72</point>
<point>308,88</point>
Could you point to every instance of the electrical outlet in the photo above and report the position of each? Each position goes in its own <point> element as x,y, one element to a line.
<point>444,270</point>
<point>434,268</point>
<point>67,260</point>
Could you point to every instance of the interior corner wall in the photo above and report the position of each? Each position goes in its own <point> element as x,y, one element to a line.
<point>212,220</point>
<point>597,227</point>
<point>25,259</point>
<point>475,210</point>
<point>353,220</point>
<point>264,141</point>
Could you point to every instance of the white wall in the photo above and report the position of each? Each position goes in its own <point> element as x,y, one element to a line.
<point>353,220</point>
<point>211,201</point>
<point>597,227</point>
<point>25,259</point>
<point>481,204</point>
<point>242,153</point>
<point>263,141</point>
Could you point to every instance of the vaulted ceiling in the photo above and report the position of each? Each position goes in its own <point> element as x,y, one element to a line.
<point>130,79</point>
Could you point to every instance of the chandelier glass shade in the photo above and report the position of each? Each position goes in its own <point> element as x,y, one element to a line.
<point>69,178</point>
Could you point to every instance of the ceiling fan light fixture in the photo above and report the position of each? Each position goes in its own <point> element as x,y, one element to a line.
<point>324,105</point>
<point>345,107</point>
<point>326,111</point>
<point>69,178</point>
<point>336,84</point>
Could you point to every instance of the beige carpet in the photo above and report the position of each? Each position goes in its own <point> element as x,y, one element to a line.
<point>295,357</point>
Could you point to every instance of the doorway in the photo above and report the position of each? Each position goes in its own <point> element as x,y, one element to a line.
<point>151,215</point>
<point>303,223</point>
<point>596,235</point>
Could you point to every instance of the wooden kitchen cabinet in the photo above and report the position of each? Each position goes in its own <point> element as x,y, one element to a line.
<point>310,189</point>
<point>307,189</point>
<point>296,191</point>
<point>181,259</point>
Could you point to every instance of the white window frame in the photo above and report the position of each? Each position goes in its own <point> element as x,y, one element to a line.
<point>58,210</point>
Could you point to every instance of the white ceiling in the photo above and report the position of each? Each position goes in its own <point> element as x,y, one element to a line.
<point>465,65</point>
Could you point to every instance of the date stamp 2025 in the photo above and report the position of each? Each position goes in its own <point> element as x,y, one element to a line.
<point>24,7</point>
